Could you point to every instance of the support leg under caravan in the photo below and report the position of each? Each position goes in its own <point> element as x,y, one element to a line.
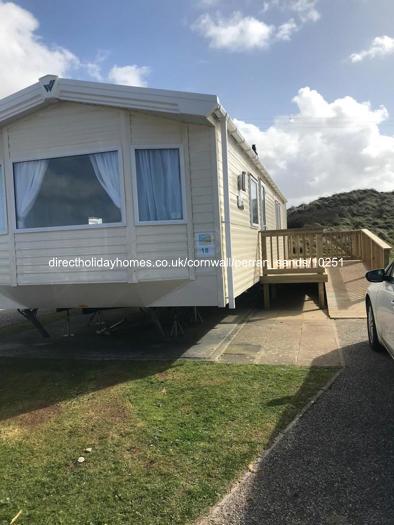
<point>31,315</point>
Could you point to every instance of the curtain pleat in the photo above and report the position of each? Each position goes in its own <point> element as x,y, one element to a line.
<point>159,184</point>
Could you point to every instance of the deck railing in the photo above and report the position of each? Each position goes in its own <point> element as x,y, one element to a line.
<point>300,250</point>
<point>372,249</point>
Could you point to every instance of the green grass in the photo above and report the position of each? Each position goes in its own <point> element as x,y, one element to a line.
<point>167,438</point>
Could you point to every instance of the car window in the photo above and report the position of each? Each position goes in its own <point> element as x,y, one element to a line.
<point>390,273</point>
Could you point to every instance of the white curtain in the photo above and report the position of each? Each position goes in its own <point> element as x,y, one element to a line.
<point>28,179</point>
<point>159,184</point>
<point>2,202</point>
<point>106,168</point>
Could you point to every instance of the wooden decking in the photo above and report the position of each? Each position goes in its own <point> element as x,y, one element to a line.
<point>337,261</point>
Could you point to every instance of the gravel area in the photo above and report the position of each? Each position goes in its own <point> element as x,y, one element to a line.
<point>336,465</point>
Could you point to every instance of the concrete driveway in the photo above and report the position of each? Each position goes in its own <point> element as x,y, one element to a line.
<point>336,465</point>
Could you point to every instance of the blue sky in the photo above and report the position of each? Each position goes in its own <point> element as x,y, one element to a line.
<point>194,45</point>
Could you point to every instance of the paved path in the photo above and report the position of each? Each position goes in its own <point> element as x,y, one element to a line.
<point>294,332</point>
<point>345,289</point>
<point>336,465</point>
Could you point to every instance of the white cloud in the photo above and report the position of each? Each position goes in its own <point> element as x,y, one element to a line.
<point>208,3</point>
<point>129,75</point>
<point>305,9</point>
<point>237,33</point>
<point>243,33</point>
<point>326,147</point>
<point>286,30</point>
<point>24,56</point>
<point>381,46</point>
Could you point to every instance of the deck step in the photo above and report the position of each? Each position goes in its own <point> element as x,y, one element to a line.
<point>294,278</point>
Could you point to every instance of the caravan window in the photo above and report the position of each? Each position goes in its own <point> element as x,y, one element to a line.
<point>263,211</point>
<point>68,191</point>
<point>159,184</point>
<point>254,205</point>
<point>278,215</point>
<point>3,211</point>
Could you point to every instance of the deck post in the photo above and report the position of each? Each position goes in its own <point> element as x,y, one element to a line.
<point>274,291</point>
<point>322,300</point>
<point>266,291</point>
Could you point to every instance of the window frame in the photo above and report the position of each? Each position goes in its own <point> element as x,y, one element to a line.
<point>4,191</point>
<point>263,205</point>
<point>58,155</point>
<point>254,224</point>
<point>137,220</point>
<point>278,214</point>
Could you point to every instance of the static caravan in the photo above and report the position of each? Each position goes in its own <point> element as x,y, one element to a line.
<point>155,181</point>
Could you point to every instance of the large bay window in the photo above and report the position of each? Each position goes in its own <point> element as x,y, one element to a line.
<point>159,184</point>
<point>68,191</point>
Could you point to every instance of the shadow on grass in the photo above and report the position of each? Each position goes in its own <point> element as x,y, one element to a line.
<point>33,384</point>
<point>37,374</point>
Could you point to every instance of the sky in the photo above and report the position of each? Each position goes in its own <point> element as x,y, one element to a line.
<point>310,82</point>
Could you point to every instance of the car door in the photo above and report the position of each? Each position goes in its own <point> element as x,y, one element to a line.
<point>386,300</point>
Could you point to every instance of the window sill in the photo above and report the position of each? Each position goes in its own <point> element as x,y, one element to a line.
<point>72,228</point>
<point>159,223</point>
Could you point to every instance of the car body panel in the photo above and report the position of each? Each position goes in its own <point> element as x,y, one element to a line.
<point>381,296</point>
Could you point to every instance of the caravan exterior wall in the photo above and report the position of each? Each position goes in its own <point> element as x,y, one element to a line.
<point>74,132</point>
<point>65,129</point>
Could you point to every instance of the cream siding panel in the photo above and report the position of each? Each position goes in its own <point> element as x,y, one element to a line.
<point>245,237</point>
<point>35,249</point>
<point>203,194</point>
<point>151,130</point>
<point>159,242</point>
<point>168,242</point>
<point>64,128</point>
<point>5,262</point>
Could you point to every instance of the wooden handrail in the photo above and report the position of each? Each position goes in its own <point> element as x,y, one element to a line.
<point>373,250</point>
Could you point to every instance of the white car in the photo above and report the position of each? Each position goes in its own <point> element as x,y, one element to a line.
<point>380,308</point>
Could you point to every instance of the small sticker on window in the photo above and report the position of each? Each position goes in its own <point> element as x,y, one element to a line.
<point>95,220</point>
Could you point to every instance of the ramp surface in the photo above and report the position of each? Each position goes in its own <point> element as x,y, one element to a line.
<point>345,289</point>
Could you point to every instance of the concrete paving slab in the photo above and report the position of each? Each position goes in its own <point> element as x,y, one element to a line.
<point>294,332</point>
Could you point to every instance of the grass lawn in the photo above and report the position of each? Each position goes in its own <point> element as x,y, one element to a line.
<point>167,439</point>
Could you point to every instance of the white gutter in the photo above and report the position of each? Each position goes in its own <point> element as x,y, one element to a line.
<point>220,113</point>
<point>227,214</point>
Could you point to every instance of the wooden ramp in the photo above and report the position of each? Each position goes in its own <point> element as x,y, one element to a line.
<point>345,290</point>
